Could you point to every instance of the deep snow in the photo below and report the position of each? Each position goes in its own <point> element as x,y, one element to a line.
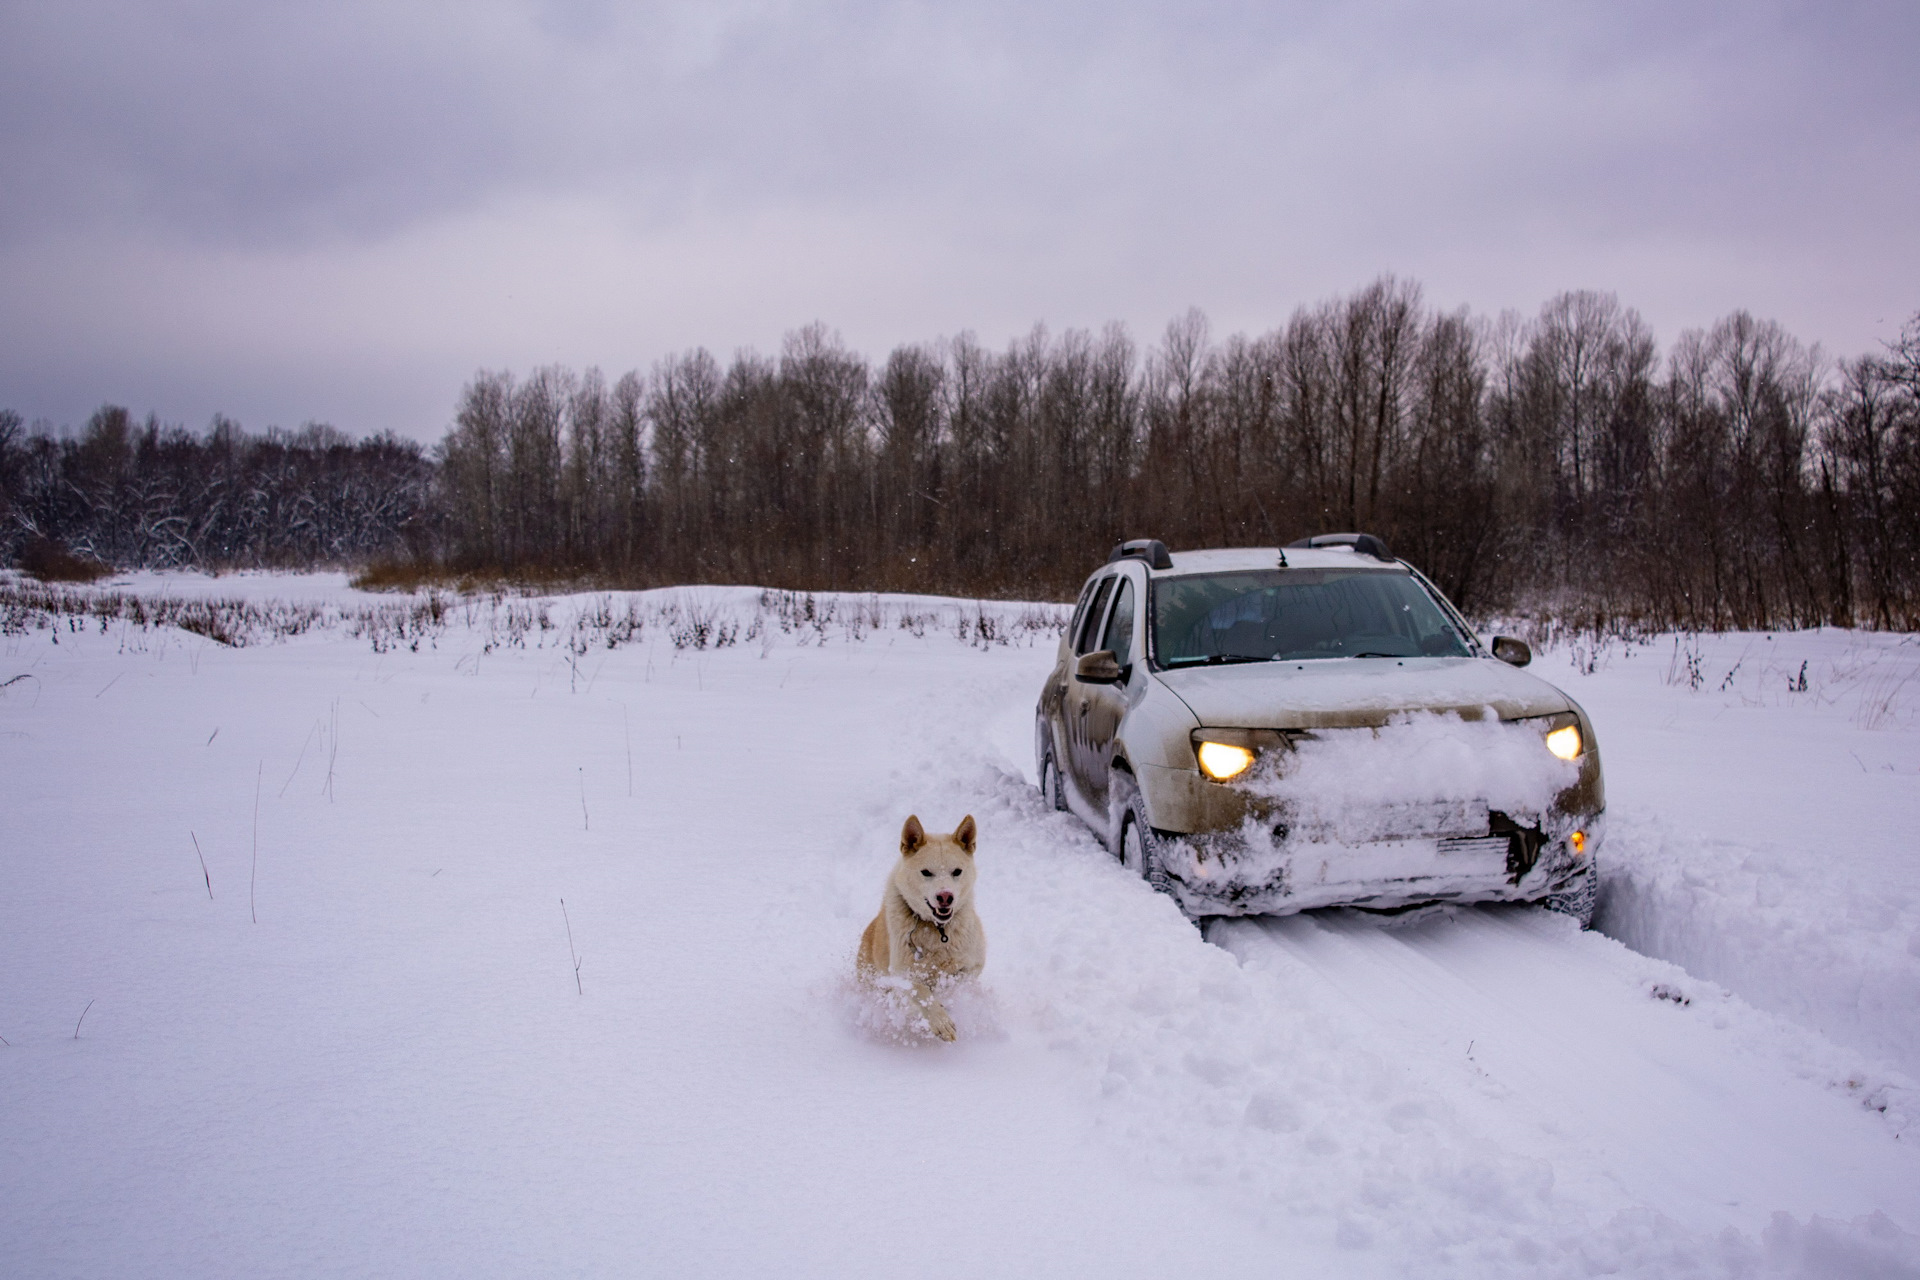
<point>394,1072</point>
<point>1762,824</point>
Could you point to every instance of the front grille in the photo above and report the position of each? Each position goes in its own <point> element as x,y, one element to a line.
<point>1399,820</point>
<point>1494,846</point>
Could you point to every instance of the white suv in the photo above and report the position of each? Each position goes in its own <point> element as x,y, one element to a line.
<point>1267,730</point>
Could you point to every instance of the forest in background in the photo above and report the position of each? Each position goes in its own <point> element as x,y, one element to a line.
<point>1560,466</point>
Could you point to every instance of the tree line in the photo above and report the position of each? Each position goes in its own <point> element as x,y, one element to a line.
<point>148,495</point>
<point>1559,464</point>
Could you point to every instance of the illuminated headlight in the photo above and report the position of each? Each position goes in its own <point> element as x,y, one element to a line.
<point>1220,761</point>
<point>1565,742</point>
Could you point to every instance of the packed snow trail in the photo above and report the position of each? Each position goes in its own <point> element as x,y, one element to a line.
<point>1583,1053</point>
<point>393,1071</point>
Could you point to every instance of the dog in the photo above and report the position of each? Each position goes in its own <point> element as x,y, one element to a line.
<point>927,929</point>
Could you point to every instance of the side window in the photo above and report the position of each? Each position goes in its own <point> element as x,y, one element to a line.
<point>1091,626</point>
<point>1080,611</point>
<point>1120,625</point>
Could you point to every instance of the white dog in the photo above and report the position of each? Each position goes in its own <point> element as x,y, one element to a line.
<point>927,929</point>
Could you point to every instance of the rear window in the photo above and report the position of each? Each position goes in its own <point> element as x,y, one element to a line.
<point>1267,614</point>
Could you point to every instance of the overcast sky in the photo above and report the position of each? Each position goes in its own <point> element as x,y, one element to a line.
<point>339,211</point>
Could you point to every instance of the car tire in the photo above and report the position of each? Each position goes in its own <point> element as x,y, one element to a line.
<point>1133,854</point>
<point>1578,897</point>
<point>1140,854</point>
<point>1051,792</point>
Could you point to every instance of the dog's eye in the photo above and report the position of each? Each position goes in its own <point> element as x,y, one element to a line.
<point>956,871</point>
<point>926,873</point>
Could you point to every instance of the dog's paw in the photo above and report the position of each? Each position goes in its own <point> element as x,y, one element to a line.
<point>939,1022</point>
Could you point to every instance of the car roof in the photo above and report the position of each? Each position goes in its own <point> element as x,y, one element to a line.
<point>1230,559</point>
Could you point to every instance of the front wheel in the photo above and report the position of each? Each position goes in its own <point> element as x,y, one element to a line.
<point>1140,854</point>
<point>1578,897</point>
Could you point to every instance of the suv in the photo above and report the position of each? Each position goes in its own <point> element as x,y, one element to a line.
<point>1269,730</point>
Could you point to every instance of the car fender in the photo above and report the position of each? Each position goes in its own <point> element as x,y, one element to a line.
<point>1157,729</point>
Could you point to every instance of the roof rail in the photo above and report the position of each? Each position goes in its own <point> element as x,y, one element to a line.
<point>1363,543</point>
<point>1152,550</point>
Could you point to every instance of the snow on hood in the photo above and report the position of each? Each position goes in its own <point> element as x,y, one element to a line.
<point>1358,692</point>
<point>1362,784</point>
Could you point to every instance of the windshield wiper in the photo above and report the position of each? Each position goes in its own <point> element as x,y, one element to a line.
<point>1216,659</point>
<point>1371,654</point>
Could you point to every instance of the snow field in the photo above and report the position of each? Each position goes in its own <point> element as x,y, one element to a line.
<point>393,1070</point>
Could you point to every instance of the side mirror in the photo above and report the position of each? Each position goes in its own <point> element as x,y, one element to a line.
<point>1509,650</point>
<point>1099,667</point>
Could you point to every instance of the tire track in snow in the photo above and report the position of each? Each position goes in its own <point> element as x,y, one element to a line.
<point>1589,1053</point>
<point>1316,1069</point>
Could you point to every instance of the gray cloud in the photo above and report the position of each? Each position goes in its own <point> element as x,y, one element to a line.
<point>310,210</point>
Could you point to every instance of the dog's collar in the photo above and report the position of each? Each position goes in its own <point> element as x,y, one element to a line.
<point>943,930</point>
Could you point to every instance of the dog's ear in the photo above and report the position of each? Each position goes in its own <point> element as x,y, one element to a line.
<point>912,836</point>
<point>966,833</point>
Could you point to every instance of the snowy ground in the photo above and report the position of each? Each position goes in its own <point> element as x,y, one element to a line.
<point>394,1072</point>
<point>1763,830</point>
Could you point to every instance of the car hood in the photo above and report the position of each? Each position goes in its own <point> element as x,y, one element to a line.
<point>1356,692</point>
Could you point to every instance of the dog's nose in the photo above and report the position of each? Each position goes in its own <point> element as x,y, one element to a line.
<point>943,900</point>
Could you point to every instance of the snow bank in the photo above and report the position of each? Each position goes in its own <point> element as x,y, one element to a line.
<point>1841,958</point>
<point>1763,800</point>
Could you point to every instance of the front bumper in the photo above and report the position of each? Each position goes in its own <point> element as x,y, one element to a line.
<point>1251,871</point>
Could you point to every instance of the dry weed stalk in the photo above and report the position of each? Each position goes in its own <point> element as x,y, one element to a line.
<point>204,873</point>
<point>333,747</point>
<point>570,948</point>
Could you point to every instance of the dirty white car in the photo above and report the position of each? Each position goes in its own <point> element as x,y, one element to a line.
<point>1261,731</point>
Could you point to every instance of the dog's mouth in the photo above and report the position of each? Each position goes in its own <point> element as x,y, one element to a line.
<point>941,914</point>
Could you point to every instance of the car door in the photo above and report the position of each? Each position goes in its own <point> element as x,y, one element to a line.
<point>1075,702</point>
<point>1053,708</point>
<point>1103,705</point>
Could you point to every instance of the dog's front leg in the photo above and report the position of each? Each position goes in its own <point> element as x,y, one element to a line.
<point>906,964</point>
<point>938,1020</point>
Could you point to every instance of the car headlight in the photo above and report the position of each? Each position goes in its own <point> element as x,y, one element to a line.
<point>1565,742</point>
<point>1221,761</point>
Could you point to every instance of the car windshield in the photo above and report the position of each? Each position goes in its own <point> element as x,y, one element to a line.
<point>1267,614</point>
